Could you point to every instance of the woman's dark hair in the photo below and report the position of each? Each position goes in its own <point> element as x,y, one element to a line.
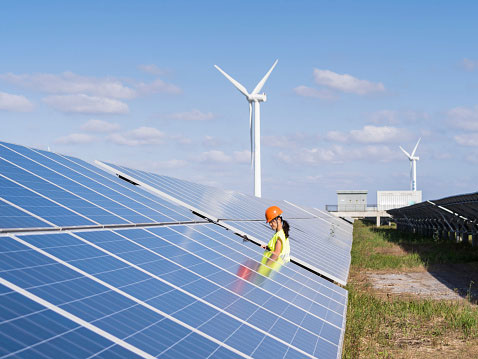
<point>285,227</point>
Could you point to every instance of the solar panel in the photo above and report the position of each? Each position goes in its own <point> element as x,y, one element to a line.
<point>76,193</point>
<point>75,282</point>
<point>320,244</point>
<point>13,217</point>
<point>170,271</point>
<point>216,203</point>
<point>312,245</point>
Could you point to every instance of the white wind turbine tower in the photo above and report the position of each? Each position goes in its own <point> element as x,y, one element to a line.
<point>413,166</point>
<point>255,131</point>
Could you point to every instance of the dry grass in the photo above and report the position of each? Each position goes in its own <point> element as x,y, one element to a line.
<point>381,325</point>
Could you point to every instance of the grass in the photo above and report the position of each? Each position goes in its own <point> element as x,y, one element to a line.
<point>394,327</point>
<point>370,249</point>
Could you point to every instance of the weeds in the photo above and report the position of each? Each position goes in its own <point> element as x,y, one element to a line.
<point>392,327</point>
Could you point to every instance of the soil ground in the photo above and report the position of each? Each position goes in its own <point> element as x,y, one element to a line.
<point>392,296</point>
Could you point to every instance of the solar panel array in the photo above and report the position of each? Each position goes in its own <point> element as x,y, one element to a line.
<point>92,266</point>
<point>317,241</point>
<point>453,217</point>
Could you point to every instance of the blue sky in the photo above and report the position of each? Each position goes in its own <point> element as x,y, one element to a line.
<point>133,83</point>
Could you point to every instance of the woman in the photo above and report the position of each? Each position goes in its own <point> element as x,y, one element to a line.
<point>279,244</point>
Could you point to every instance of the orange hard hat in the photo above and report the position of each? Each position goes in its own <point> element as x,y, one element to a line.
<point>272,212</point>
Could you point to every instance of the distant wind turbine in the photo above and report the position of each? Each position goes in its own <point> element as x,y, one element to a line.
<point>413,166</point>
<point>254,131</point>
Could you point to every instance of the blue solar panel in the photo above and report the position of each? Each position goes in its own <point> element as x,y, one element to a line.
<point>38,205</point>
<point>178,275</point>
<point>312,244</point>
<point>217,203</point>
<point>319,244</point>
<point>30,330</point>
<point>12,217</point>
<point>90,301</point>
<point>79,188</point>
<point>175,289</point>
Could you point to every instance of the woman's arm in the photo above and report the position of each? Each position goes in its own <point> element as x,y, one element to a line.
<point>277,249</point>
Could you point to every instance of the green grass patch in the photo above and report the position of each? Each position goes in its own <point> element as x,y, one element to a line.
<point>391,327</point>
<point>378,327</point>
<point>371,249</point>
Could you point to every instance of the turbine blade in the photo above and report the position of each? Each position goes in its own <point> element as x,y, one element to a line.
<point>241,88</point>
<point>264,79</point>
<point>406,153</point>
<point>250,131</point>
<point>413,153</point>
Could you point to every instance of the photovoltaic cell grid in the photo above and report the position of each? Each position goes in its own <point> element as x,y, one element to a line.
<point>319,250</point>
<point>318,242</point>
<point>85,291</point>
<point>65,192</point>
<point>148,286</point>
<point>216,203</point>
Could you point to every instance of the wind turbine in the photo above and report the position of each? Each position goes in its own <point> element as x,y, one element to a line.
<point>413,166</point>
<point>254,131</point>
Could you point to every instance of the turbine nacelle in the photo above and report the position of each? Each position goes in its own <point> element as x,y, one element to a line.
<point>260,97</point>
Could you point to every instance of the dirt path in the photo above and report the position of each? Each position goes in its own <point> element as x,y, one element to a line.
<point>440,282</point>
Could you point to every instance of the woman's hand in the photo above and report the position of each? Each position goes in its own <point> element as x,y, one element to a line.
<point>263,246</point>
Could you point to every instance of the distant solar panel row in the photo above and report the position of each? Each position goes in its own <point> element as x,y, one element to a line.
<point>175,290</point>
<point>317,242</point>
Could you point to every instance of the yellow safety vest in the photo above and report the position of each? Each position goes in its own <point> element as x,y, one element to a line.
<point>285,250</point>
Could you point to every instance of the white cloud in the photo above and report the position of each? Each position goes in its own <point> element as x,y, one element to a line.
<point>292,140</point>
<point>336,136</point>
<point>346,83</point>
<point>98,126</point>
<point>173,163</point>
<point>210,141</point>
<point>376,134</point>
<point>156,86</point>
<point>305,91</point>
<point>70,83</point>
<point>469,65</point>
<point>369,134</point>
<point>9,102</point>
<point>464,118</point>
<point>339,154</point>
<point>242,156</point>
<point>152,69</point>
<point>193,115</point>
<point>86,104</point>
<point>214,156</point>
<point>138,137</point>
<point>469,139</point>
<point>313,155</point>
<point>75,138</point>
